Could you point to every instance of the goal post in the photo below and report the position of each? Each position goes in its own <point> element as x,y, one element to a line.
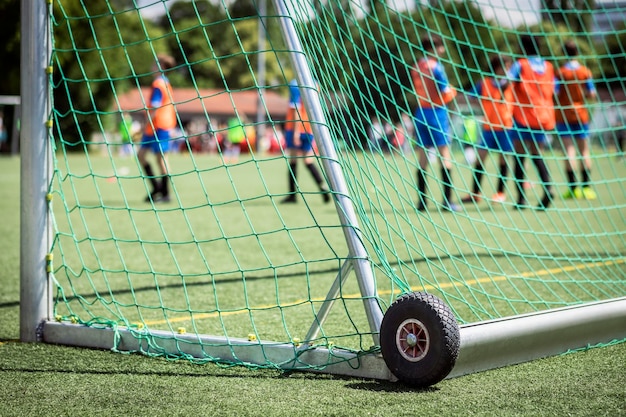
<point>35,173</point>
<point>223,272</point>
<point>345,209</point>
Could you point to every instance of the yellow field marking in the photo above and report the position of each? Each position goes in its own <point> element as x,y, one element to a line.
<point>475,281</point>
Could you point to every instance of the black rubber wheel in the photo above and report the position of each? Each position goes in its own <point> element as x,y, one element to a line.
<point>419,339</point>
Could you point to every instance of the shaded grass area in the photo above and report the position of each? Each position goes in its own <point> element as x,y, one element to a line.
<point>40,379</point>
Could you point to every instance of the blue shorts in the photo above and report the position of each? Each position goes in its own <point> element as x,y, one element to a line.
<point>432,127</point>
<point>497,140</point>
<point>528,133</point>
<point>158,142</point>
<point>306,141</point>
<point>573,130</point>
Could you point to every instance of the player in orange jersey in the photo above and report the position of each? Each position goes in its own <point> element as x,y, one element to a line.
<point>299,143</point>
<point>161,121</point>
<point>574,88</point>
<point>533,115</point>
<point>496,97</point>
<point>432,124</point>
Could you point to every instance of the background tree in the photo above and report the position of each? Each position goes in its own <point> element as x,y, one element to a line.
<point>209,44</point>
<point>576,15</point>
<point>612,70</point>
<point>10,57</point>
<point>97,56</point>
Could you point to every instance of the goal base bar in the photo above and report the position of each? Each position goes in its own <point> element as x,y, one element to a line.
<point>485,345</point>
<point>508,341</point>
<point>286,356</point>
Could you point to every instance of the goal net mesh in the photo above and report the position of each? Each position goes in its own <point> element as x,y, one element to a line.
<point>225,256</point>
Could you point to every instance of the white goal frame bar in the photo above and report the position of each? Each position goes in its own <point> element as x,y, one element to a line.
<point>484,345</point>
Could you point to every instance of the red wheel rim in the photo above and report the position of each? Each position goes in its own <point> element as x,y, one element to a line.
<point>412,340</point>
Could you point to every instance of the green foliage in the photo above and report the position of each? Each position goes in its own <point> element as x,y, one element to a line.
<point>111,51</point>
<point>208,44</point>
<point>98,54</point>
<point>613,59</point>
<point>10,51</point>
<point>390,41</point>
<point>574,14</point>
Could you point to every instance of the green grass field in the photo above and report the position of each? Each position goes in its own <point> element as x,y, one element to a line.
<point>53,380</point>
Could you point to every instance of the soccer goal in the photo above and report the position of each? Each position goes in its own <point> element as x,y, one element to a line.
<point>320,261</point>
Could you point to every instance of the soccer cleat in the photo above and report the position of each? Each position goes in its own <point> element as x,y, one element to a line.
<point>326,196</point>
<point>588,193</point>
<point>451,207</point>
<point>290,199</point>
<point>421,206</point>
<point>154,196</point>
<point>499,197</point>
<point>471,198</point>
<point>578,193</point>
<point>545,201</point>
<point>571,194</point>
<point>521,204</point>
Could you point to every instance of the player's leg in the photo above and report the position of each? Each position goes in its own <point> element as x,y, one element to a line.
<point>585,168</point>
<point>423,141</point>
<point>147,142</point>
<point>570,163</point>
<point>505,146</point>
<point>519,172</point>
<point>503,171</point>
<point>440,134</point>
<point>292,167</point>
<point>165,177</point>
<point>535,145</point>
<point>446,178</point>
<point>478,172</point>
<point>306,147</point>
<point>161,151</point>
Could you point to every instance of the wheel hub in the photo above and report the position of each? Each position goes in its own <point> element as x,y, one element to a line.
<point>412,340</point>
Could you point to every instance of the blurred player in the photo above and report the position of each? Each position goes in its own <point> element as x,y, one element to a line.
<point>161,121</point>
<point>299,143</point>
<point>533,114</point>
<point>432,126</point>
<point>496,97</point>
<point>574,87</point>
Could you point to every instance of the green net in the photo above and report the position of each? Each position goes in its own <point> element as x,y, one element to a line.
<point>226,256</point>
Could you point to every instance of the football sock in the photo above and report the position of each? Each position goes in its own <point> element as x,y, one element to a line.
<point>315,173</point>
<point>519,177</point>
<point>479,170</point>
<point>586,177</point>
<point>504,170</point>
<point>291,175</point>
<point>571,179</point>
<point>147,168</point>
<point>421,186</point>
<point>165,180</point>
<point>446,178</point>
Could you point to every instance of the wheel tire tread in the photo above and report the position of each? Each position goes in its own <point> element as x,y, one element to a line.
<point>436,365</point>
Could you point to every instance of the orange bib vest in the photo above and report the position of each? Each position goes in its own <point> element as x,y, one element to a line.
<point>300,116</point>
<point>497,106</point>
<point>164,117</point>
<point>534,107</point>
<point>571,98</point>
<point>425,84</point>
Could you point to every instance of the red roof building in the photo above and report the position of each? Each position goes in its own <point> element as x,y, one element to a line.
<point>212,105</point>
